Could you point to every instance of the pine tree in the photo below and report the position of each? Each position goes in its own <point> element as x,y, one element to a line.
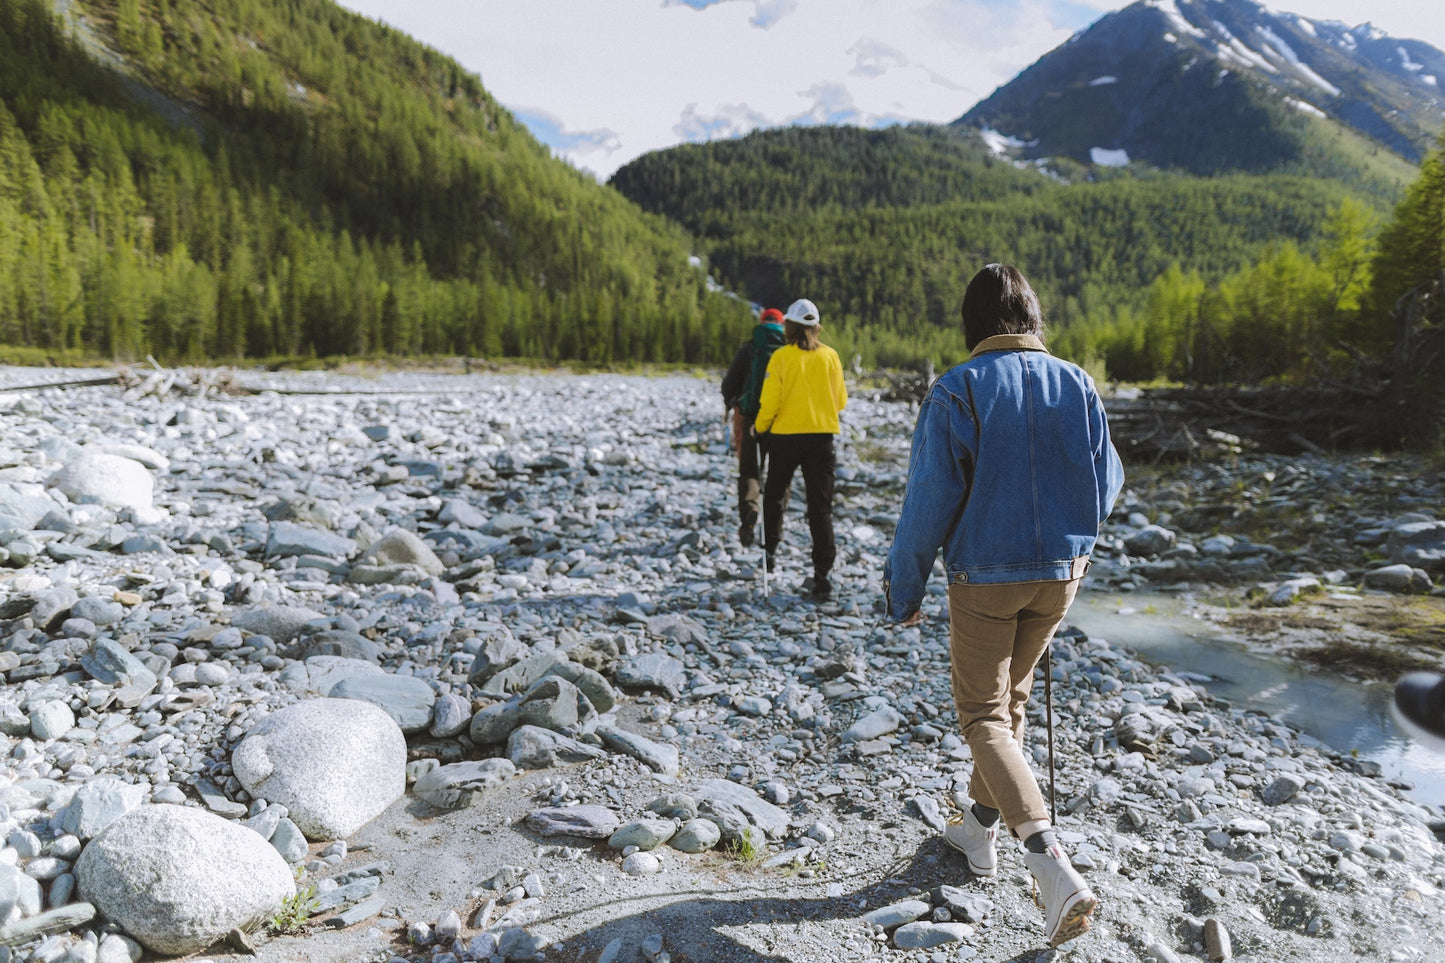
<point>1411,248</point>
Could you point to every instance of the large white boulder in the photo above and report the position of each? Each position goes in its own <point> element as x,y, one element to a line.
<point>96,477</point>
<point>177,878</point>
<point>335,764</point>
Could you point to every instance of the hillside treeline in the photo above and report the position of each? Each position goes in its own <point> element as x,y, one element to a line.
<point>292,179</point>
<point>1147,274</point>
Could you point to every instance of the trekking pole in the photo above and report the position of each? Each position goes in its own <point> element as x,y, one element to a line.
<point>1049,717</point>
<point>765,573</point>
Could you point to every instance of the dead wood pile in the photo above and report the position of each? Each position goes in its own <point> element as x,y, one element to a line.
<point>140,381</point>
<point>1204,423</point>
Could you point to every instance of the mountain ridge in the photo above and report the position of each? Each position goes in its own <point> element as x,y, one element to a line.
<point>1211,85</point>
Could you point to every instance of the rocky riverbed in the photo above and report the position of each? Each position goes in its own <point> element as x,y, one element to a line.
<point>472,667</point>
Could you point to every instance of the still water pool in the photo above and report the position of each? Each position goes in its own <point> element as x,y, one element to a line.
<point>1343,713</point>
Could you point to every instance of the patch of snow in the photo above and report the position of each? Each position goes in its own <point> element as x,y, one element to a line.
<point>1430,79</point>
<point>1176,19</point>
<point>1103,81</point>
<point>1170,38</point>
<point>1318,81</point>
<point>1406,62</point>
<point>1106,157</point>
<point>1305,25</point>
<point>1237,52</point>
<point>998,143</point>
<point>1290,57</point>
<point>1306,107</point>
<point>1279,44</point>
<point>1242,52</point>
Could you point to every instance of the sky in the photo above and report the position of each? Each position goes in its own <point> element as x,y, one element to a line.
<point>603,81</point>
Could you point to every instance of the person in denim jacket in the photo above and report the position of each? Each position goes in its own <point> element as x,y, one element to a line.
<point>1011,474</point>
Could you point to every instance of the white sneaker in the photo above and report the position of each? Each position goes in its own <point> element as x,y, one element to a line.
<point>975,840</point>
<point>1068,901</point>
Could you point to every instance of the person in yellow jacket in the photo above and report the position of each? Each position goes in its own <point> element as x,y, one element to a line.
<point>802,395</point>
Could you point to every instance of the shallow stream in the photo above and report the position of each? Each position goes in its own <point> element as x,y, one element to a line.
<point>1343,713</point>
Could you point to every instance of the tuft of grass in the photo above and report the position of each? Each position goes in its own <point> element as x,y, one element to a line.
<point>295,910</point>
<point>744,849</point>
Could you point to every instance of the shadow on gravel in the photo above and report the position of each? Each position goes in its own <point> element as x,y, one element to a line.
<point>695,925</point>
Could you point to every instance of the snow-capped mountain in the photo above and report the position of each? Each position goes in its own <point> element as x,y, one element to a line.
<point>1212,85</point>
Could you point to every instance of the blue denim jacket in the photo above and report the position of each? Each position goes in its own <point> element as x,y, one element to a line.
<point>1012,472</point>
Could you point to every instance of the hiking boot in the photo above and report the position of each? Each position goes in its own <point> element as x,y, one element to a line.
<point>822,589</point>
<point>771,560</point>
<point>747,528</point>
<point>1067,899</point>
<point>975,840</point>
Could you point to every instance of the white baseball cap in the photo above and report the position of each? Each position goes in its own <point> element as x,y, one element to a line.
<point>802,311</point>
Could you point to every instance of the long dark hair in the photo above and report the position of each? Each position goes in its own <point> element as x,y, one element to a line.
<point>1000,301</point>
<point>804,336</point>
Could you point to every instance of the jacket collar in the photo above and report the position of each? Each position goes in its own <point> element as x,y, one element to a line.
<point>1008,342</point>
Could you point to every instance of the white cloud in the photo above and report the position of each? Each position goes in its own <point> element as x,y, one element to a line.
<point>729,120</point>
<point>603,82</point>
<point>875,59</point>
<point>770,12</point>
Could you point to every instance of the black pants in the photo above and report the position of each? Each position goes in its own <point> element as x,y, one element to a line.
<point>752,453</point>
<point>814,454</point>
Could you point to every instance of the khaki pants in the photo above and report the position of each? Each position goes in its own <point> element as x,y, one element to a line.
<point>996,634</point>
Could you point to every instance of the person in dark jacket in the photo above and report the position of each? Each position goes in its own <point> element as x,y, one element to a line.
<point>741,390</point>
<point>1012,472</point>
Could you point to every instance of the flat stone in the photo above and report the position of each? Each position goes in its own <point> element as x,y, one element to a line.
<point>759,812</point>
<point>876,724</point>
<point>291,539</point>
<point>98,803</point>
<point>279,622</point>
<point>533,747</point>
<point>463,784</point>
<point>407,699</point>
<point>659,757</point>
<point>896,914</point>
<point>922,935</point>
<point>586,821</point>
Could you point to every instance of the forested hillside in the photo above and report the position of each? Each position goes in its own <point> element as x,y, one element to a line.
<point>251,178</point>
<point>884,228</point>
<point>228,179</point>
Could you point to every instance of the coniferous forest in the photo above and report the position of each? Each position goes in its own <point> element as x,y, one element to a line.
<point>291,180</point>
<point>1234,277</point>
<point>217,180</point>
